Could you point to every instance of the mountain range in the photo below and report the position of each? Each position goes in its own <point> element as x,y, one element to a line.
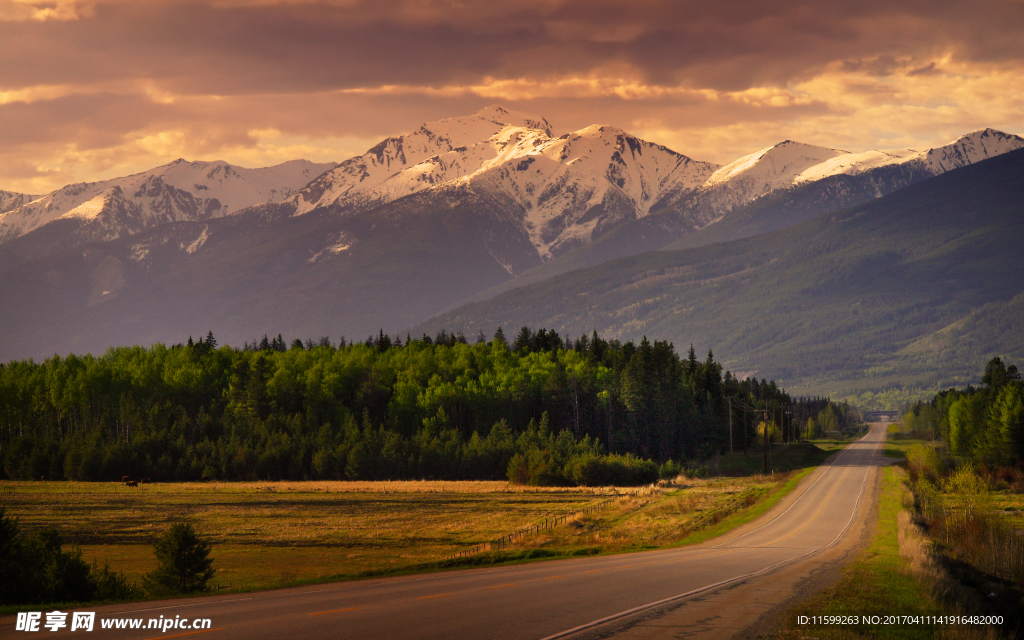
<point>461,210</point>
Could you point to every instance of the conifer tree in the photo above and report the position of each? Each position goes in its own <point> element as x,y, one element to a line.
<point>185,565</point>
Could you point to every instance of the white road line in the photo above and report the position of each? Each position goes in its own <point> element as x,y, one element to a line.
<point>622,614</point>
<point>795,502</point>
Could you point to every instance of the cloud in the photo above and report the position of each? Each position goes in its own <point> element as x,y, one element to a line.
<point>40,10</point>
<point>84,84</point>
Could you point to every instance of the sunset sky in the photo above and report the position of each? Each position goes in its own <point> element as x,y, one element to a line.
<point>94,90</point>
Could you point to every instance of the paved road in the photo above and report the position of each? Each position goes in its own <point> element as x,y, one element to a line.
<point>696,586</point>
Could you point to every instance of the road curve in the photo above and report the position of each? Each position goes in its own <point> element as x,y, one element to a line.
<point>565,598</point>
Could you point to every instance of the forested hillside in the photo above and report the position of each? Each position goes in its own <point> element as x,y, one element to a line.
<point>915,290</point>
<point>540,409</point>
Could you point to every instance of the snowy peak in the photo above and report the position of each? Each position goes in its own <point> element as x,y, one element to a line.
<point>569,189</point>
<point>10,200</point>
<point>357,181</point>
<point>180,190</point>
<point>501,115</point>
<point>774,167</point>
<point>969,149</point>
<point>855,163</point>
<point>563,189</point>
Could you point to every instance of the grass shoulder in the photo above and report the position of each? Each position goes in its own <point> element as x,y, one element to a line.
<point>890,577</point>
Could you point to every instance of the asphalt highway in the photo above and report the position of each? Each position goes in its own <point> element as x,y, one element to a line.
<point>565,598</point>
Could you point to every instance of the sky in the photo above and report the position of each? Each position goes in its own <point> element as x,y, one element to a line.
<point>91,90</point>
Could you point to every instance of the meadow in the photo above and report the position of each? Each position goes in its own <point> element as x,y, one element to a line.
<point>272,534</point>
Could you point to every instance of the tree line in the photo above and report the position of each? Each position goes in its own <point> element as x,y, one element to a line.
<point>538,409</point>
<point>983,424</point>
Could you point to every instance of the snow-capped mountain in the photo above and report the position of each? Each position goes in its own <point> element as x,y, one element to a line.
<point>173,192</point>
<point>359,181</point>
<point>10,200</point>
<point>792,164</point>
<point>562,189</point>
<point>967,149</point>
<point>569,190</point>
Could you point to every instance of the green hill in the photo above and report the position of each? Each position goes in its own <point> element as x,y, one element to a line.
<point>915,290</point>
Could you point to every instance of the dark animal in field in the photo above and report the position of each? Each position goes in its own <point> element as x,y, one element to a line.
<point>125,479</point>
<point>132,483</point>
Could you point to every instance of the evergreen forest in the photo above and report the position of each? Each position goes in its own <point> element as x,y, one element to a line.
<point>983,424</point>
<point>534,409</point>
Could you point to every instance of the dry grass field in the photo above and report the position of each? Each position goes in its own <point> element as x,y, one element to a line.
<point>267,534</point>
<point>270,534</point>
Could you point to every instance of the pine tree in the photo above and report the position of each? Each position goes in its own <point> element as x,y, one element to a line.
<point>185,565</point>
<point>210,340</point>
<point>523,341</point>
<point>499,335</point>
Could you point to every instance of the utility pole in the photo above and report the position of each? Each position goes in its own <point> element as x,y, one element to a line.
<point>730,424</point>
<point>765,438</point>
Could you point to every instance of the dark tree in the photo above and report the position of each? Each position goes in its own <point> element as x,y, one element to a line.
<point>185,565</point>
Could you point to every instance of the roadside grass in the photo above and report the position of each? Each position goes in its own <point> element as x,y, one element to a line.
<point>275,534</point>
<point>881,581</point>
<point>741,517</point>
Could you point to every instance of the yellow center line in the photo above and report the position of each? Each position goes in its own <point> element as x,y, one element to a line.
<point>595,571</point>
<point>320,613</point>
<point>502,586</point>
<point>553,577</point>
<point>440,595</point>
<point>190,633</point>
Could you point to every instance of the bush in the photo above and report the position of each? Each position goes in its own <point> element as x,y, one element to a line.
<point>35,569</point>
<point>670,469</point>
<point>924,462</point>
<point>627,470</point>
<point>185,565</point>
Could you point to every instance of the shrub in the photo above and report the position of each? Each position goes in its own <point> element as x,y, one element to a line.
<point>923,462</point>
<point>36,569</point>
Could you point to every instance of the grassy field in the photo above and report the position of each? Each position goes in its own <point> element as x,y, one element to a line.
<point>271,534</point>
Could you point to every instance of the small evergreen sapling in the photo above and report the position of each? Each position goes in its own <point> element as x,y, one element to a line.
<point>185,565</point>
